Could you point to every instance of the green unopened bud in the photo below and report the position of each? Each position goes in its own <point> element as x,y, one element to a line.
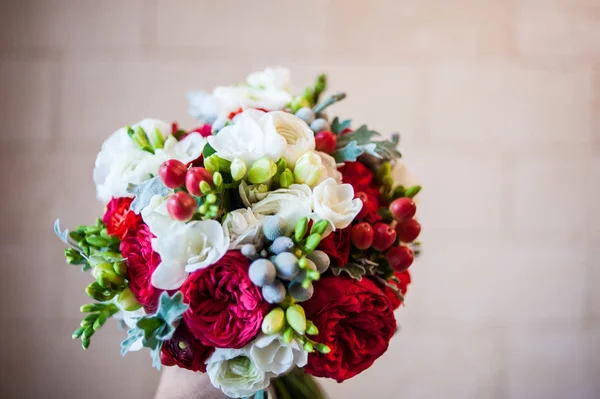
<point>219,164</point>
<point>141,139</point>
<point>288,335</point>
<point>218,179</point>
<point>311,329</point>
<point>387,182</point>
<point>301,228</point>
<point>97,241</point>
<point>106,276</point>
<point>120,267</point>
<point>309,169</point>
<point>203,209</point>
<point>156,138</point>
<point>261,171</point>
<point>412,191</point>
<point>399,192</point>
<point>313,275</point>
<point>312,242</point>
<point>210,198</point>
<point>324,349</point>
<point>320,85</point>
<point>211,165</point>
<point>77,333</point>
<point>95,291</point>
<point>287,302</point>
<point>89,307</point>
<point>102,317</point>
<point>205,187</point>
<point>286,179</point>
<point>127,300</point>
<point>308,346</point>
<point>274,321</point>
<point>296,318</point>
<point>85,343</point>
<point>238,169</point>
<point>73,256</point>
<point>319,227</point>
<point>262,188</point>
<point>299,102</point>
<point>384,170</point>
<point>303,262</point>
<point>281,165</point>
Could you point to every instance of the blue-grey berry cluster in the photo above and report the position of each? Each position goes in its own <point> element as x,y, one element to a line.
<point>281,268</point>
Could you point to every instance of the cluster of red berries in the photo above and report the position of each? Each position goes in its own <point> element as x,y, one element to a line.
<point>175,174</point>
<point>382,236</point>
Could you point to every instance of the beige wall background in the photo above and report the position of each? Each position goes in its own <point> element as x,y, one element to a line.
<point>498,105</point>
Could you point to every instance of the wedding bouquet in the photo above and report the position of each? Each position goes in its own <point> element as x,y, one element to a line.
<point>265,247</point>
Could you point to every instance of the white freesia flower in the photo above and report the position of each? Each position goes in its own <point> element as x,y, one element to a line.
<point>252,193</point>
<point>156,216</point>
<point>243,228</point>
<point>309,169</point>
<point>251,137</point>
<point>270,89</point>
<point>291,204</point>
<point>298,136</point>
<point>271,354</point>
<point>121,161</point>
<point>331,167</point>
<point>335,202</point>
<point>234,372</point>
<point>186,247</point>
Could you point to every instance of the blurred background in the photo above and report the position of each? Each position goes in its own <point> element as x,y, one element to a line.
<point>497,103</point>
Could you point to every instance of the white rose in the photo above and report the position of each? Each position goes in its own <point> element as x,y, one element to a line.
<point>186,247</point>
<point>121,161</point>
<point>299,137</point>
<point>331,166</point>
<point>249,138</point>
<point>234,372</point>
<point>309,169</point>
<point>243,228</point>
<point>291,204</point>
<point>335,203</point>
<point>271,354</point>
<point>156,215</point>
<point>270,89</point>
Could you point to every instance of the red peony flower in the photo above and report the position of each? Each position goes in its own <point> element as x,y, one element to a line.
<point>185,351</point>
<point>362,180</point>
<point>225,309</point>
<point>119,218</point>
<point>354,319</point>
<point>404,278</point>
<point>136,248</point>
<point>337,246</point>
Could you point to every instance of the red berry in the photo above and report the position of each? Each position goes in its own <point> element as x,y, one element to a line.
<point>172,173</point>
<point>166,360</point>
<point>362,235</point>
<point>403,209</point>
<point>194,177</point>
<point>408,231</point>
<point>365,202</point>
<point>384,236</point>
<point>400,258</point>
<point>181,206</point>
<point>325,141</point>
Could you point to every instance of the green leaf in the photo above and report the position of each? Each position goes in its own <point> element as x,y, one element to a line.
<point>349,153</point>
<point>338,126</point>
<point>145,191</point>
<point>208,151</point>
<point>363,137</point>
<point>329,101</point>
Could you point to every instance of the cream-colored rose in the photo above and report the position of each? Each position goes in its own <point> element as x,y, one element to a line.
<point>291,204</point>
<point>330,166</point>
<point>234,373</point>
<point>271,354</point>
<point>299,137</point>
<point>335,203</point>
<point>243,227</point>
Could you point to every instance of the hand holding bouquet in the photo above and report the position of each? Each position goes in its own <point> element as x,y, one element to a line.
<point>269,240</point>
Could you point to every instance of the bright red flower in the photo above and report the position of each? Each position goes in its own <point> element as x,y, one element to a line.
<point>119,218</point>
<point>363,180</point>
<point>337,246</point>
<point>204,130</point>
<point>354,319</point>
<point>185,351</point>
<point>225,308</point>
<point>136,248</point>
<point>404,278</point>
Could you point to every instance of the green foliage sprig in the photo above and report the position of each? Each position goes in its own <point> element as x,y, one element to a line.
<point>98,314</point>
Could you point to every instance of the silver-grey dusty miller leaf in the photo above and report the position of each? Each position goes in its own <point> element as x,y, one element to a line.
<point>145,191</point>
